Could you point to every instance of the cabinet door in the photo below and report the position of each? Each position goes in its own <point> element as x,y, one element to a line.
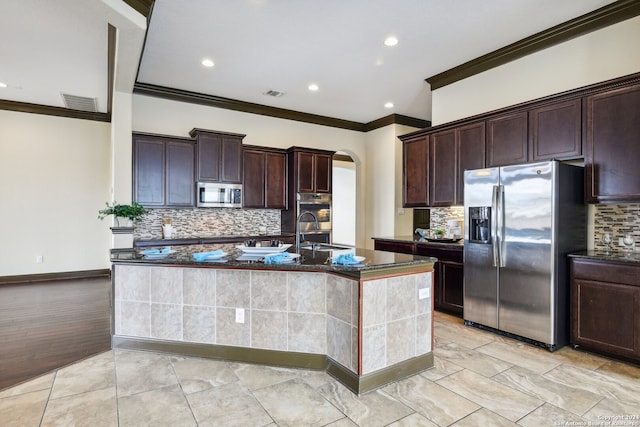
<point>612,146</point>
<point>606,317</point>
<point>555,131</point>
<point>276,181</point>
<point>507,140</point>
<point>148,171</point>
<point>231,160</point>
<point>209,148</point>
<point>442,168</point>
<point>180,185</point>
<point>305,172</point>
<point>253,184</point>
<point>470,154</point>
<point>323,169</point>
<point>451,279</point>
<point>399,247</point>
<point>415,170</point>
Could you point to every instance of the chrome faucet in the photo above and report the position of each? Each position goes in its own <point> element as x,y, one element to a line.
<point>303,213</point>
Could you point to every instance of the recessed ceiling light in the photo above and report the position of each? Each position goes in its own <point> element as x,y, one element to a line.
<point>3,84</point>
<point>207,62</point>
<point>388,105</point>
<point>391,41</point>
<point>313,87</point>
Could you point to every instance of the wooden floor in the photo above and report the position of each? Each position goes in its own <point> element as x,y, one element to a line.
<point>47,325</point>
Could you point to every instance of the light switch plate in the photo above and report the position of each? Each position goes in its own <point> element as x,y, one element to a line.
<point>239,315</point>
<point>423,293</point>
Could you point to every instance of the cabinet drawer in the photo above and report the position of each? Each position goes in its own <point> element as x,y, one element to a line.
<point>605,271</point>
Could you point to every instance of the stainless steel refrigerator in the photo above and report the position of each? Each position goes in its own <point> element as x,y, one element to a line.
<point>520,223</point>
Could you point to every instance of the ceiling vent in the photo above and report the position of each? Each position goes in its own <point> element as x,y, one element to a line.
<point>275,93</point>
<point>81,103</point>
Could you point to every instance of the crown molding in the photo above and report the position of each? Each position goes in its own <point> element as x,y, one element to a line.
<point>265,110</point>
<point>25,107</point>
<point>605,16</point>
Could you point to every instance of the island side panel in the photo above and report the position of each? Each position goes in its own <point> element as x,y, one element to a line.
<point>396,320</point>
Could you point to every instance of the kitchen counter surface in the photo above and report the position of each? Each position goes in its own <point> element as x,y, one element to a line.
<point>422,241</point>
<point>613,256</point>
<point>310,260</point>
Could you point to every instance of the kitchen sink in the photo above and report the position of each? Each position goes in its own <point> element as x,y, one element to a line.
<point>323,247</point>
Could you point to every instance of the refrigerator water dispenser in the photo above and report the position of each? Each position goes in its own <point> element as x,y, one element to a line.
<point>480,224</point>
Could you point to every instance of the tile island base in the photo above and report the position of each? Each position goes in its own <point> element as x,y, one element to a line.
<point>365,331</point>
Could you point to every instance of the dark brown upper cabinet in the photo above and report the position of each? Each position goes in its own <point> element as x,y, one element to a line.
<point>415,171</point>
<point>310,169</point>
<point>163,171</point>
<point>507,139</point>
<point>265,178</point>
<point>219,156</point>
<point>470,149</point>
<point>442,168</point>
<point>613,146</point>
<point>555,131</point>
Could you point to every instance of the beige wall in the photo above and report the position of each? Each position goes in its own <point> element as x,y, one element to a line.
<point>601,55</point>
<point>54,177</point>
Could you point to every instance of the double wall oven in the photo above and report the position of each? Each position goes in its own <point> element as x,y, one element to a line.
<point>319,204</point>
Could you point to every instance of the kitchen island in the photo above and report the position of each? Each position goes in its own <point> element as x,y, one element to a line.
<point>367,324</point>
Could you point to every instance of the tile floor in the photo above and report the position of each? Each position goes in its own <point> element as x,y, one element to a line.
<point>479,379</point>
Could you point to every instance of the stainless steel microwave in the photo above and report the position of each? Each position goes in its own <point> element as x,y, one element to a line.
<point>216,195</point>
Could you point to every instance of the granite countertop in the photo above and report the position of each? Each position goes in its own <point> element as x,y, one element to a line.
<point>613,255</point>
<point>422,241</point>
<point>309,260</point>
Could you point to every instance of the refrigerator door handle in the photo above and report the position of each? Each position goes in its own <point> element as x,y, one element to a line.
<point>502,250</point>
<point>494,225</point>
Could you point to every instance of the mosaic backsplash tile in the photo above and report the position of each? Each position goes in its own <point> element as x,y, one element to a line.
<point>208,222</point>
<point>617,220</point>
<point>440,216</point>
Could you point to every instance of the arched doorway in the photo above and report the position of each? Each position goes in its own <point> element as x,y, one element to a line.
<point>344,199</point>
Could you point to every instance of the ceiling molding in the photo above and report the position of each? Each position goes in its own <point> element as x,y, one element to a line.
<point>25,107</point>
<point>599,18</point>
<point>265,110</point>
<point>142,6</point>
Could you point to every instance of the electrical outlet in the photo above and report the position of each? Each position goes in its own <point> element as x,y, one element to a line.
<point>239,315</point>
<point>423,293</point>
<point>39,259</point>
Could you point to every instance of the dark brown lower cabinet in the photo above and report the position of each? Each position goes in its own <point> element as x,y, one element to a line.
<point>605,307</point>
<point>450,282</point>
<point>394,246</point>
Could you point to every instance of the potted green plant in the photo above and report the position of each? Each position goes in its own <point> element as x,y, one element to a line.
<point>125,214</point>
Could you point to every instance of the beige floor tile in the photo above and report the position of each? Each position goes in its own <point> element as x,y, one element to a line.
<point>441,368</point>
<point>43,382</point>
<point>533,358</point>
<point>597,382</point>
<point>158,407</point>
<point>579,358</point>
<point>549,415</point>
<point>258,376</point>
<point>608,409</point>
<point>434,402</point>
<point>372,409</point>
<point>498,398</point>
<point>295,403</point>
<point>571,399</point>
<point>96,408</point>
<point>413,420</point>
<point>23,410</point>
<point>142,371</point>
<point>484,417</point>
<point>197,374</point>
<point>95,373</point>
<point>343,422</point>
<point>229,405</point>
<point>463,335</point>
<point>471,359</point>
<point>622,371</point>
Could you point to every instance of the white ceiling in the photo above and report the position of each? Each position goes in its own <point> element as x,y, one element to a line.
<point>57,46</point>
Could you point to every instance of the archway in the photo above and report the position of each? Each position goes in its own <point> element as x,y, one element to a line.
<point>344,199</point>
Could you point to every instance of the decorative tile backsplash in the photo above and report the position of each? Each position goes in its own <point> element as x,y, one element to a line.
<point>440,216</point>
<point>208,222</point>
<point>617,220</point>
